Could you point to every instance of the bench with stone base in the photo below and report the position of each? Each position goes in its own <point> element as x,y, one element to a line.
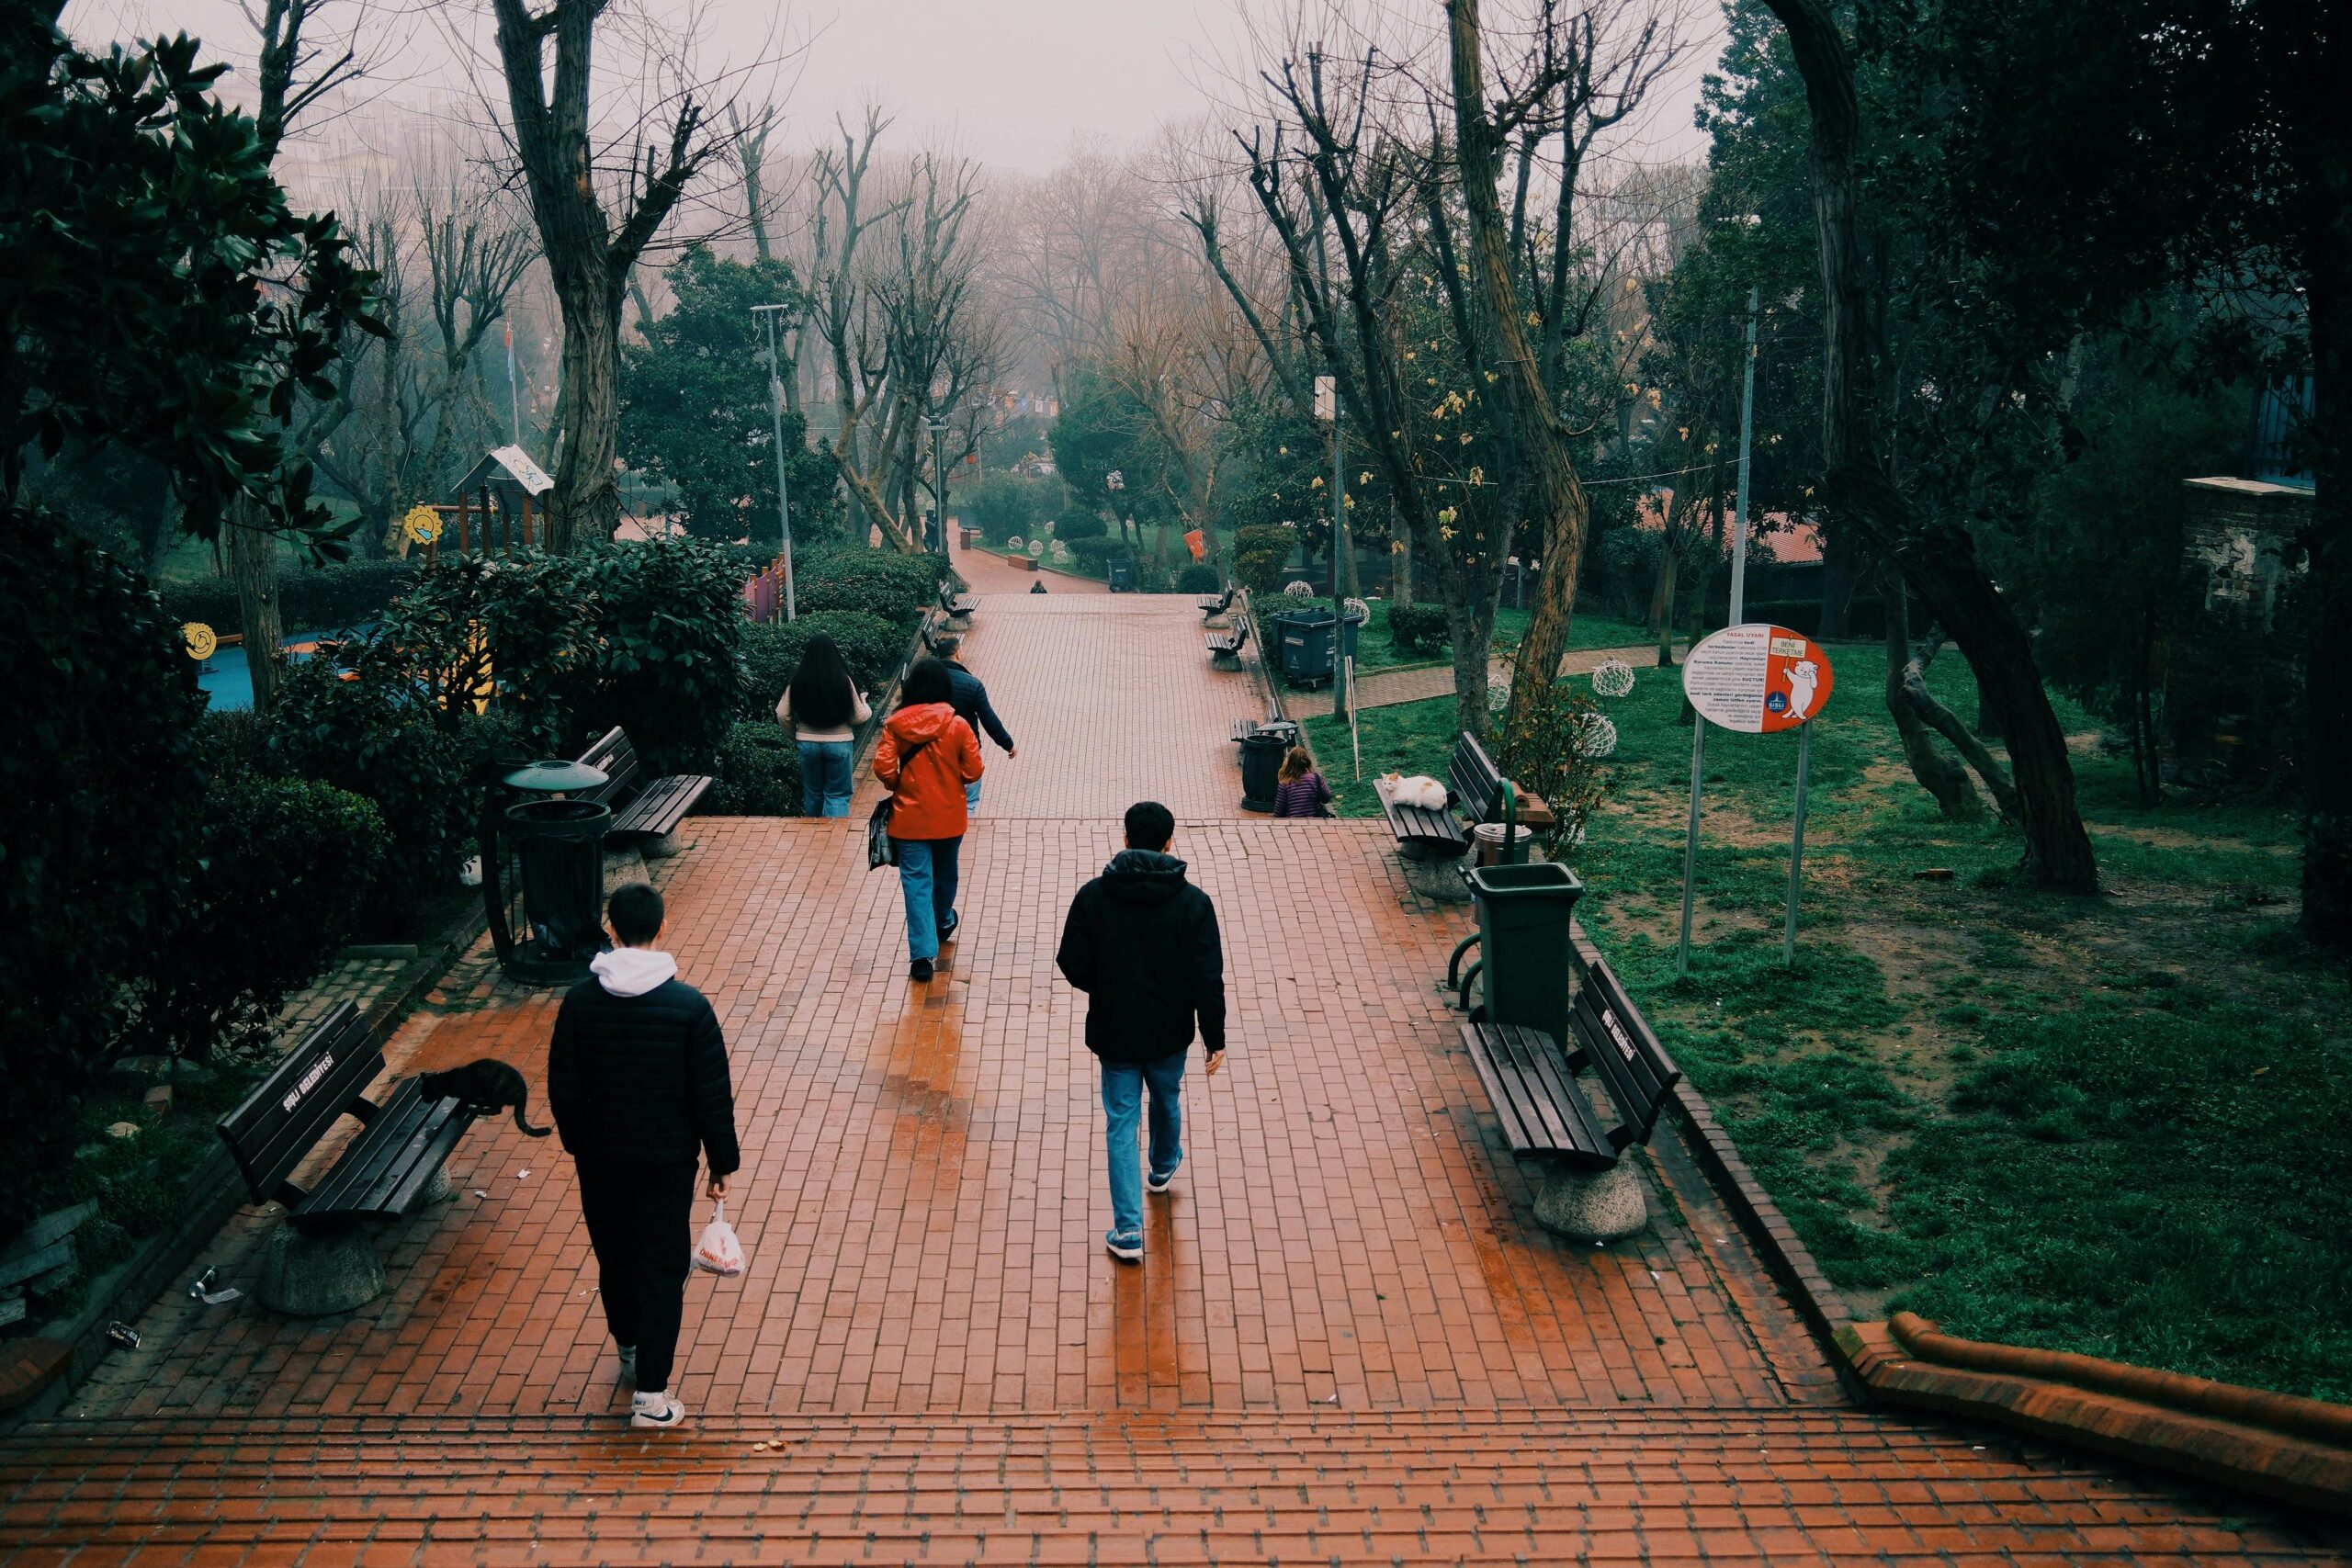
<point>1430,842</point>
<point>323,1259</point>
<point>1593,1192</point>
<point>647,809</point>
<point>954,605</point>
<point>1225,646</point>
<point>1212,608</point>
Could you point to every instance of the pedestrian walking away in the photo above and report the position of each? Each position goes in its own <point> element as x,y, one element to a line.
<point>822,705</point>
<point>971,703</point>
<point>1142,942</point>
<point>638,1079</point>
<point>1301,791</point>
<point>926,758</point>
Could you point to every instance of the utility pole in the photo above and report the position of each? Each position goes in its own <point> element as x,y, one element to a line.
<point>768,314</point>
<point>1747,435</point>
<point>1327,406</point>
<point>938,429</point>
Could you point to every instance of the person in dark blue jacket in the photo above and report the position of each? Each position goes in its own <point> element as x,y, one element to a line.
<point>1142,942</point>
<point>638,1079</point>
<point>972,704</point>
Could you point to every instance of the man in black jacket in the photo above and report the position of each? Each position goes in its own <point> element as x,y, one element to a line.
<point>1142,942</point>
<point>637,1076</point>
<point>971,704</point>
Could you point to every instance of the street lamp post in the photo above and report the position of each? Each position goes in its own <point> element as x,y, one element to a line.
<point>768,314</point>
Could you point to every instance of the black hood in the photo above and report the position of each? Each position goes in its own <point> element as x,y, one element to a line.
<point>1143,876</point>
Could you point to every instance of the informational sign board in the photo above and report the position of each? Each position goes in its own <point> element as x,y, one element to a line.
<point>1327,398</point>
<point>1758,678</point>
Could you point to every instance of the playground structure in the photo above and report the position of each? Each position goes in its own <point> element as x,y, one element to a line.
<point>504,493</point>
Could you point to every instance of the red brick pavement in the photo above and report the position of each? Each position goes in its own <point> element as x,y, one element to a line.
<point>1349,1342</point>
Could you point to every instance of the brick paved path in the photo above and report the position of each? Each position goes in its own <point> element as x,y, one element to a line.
<point>1349,1342</point>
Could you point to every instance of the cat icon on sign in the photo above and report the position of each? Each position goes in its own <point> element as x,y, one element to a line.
<point>1805,679</point>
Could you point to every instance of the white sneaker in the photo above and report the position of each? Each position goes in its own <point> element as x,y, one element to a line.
<point>629,1363</point>
<point>655,1410</point>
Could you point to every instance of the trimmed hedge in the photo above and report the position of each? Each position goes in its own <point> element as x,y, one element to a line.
<point>1092,557</point>
<point>1198,578</point>
<point>758,771</point>
<point>882,582</point>
<point>310,598</point>
<point>1080,525</point>
<point>1417,628</point>
<point>1260,552</point>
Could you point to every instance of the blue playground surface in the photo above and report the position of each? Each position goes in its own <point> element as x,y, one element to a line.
<point>228,681</point>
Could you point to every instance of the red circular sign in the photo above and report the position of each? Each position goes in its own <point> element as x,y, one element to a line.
<point>1758,678</point>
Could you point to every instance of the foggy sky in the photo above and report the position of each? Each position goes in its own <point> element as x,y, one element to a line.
<point>1016,82</point>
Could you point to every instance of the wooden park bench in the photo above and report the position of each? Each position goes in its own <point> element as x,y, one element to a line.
<point>1243,728</point>
<point>644,806</point>
<point>1478,792</point>
<point>391,1166</point>
<point>1226,644</point>
<point>956,605</point>
<point>1211,608</point>
<point>1544,1111</point>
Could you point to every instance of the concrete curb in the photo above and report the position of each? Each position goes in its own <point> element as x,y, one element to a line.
<point>2263,1456</point>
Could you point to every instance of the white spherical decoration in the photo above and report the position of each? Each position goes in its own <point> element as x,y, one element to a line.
<point>1299,590</point>
<point>1499,695</point>
<point>1013,543</point>
<point>1358,610</point>
<point>1596,735</point>
<point>1061,551</point>
<point>1612,678</point>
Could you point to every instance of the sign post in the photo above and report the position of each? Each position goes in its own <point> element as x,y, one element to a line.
<point>1758,679</point>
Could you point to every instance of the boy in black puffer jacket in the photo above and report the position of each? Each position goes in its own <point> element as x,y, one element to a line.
<point>1143,943</point>
<point>637,1077</point>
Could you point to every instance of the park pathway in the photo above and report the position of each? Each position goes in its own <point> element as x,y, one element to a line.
<point>1349,1342</point>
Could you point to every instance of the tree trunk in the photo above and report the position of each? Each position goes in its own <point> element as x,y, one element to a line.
<point>1940,562</point>
<point>1559,513</point>
<point>2327,676</point>
<point>252,566</point>
<point>1662,606</point>
<point>1470,623</point>
<point>1939,775</point>
<point>586,503</point>
<point>1400,587</point>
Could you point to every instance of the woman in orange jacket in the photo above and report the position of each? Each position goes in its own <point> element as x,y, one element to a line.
<point>926,756</point>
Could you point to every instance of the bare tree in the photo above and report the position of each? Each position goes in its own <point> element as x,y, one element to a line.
<point>590,254</point>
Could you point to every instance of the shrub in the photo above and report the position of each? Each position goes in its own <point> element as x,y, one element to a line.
<point>382,737</point>
<point>333,597</point>
<point>1094,556</point>
<point>286,864</point>
<point>1547,753</point>
<point>1417,628</point>
<point>1080,525</point>
<point>1198,578</point>
<point>97,846</point>
<point>669,627</point>
<point>871,646</point>
<point>758,771</point>
<point>1006,504</point>
<point>1260,552</point>
<point>882,582</point>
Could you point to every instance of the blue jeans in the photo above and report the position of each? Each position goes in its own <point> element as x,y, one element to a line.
<point>927,873</point>
<point>825,778</point>
<point>1123,1088</point>
<point>972,796</point>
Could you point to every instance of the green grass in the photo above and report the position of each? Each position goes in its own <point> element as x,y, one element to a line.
<point>1374,652</point>
<point>2112,1125</point>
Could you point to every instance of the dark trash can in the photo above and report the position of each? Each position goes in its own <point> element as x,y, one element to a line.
<point>1523,943</point>
<point>1261,763</point>
<point>1306,641</point>
<point>560,847</point>
<point>1123,574</point>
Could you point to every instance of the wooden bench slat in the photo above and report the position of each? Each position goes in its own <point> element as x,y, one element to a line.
<point>662,805</point>
<point>267,1138</point>
<point>370,1157</point>
<point>428,1148</point>
<point>1520,1088</point>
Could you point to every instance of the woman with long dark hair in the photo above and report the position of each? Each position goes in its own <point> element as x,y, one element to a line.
<point>823,704</point>
<point>926,757</point>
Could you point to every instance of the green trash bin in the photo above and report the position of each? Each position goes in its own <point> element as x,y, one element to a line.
<point>1523,943</point>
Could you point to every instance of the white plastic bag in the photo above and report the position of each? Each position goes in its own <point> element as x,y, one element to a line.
<point>719,1251</point>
